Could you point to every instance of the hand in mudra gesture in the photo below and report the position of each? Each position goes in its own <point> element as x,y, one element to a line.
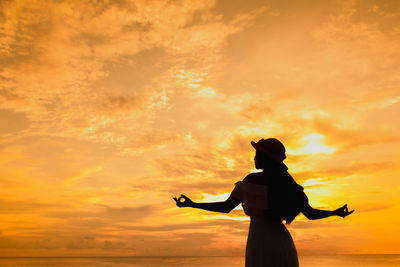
<point>187,202</point>
<point>343,211</point>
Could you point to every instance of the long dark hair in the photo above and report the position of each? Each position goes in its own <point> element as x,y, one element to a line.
<point>285,197</point>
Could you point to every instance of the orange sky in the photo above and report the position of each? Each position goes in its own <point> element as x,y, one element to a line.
<point>110,108</point>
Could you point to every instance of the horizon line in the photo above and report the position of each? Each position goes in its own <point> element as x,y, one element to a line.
<point>198,256</point>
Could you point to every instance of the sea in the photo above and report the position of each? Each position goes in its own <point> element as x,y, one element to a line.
<point>305,261</point>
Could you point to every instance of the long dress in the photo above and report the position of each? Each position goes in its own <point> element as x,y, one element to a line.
<point>269,243</point>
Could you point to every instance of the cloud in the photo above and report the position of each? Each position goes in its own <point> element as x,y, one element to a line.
<point>26,207</point>
<point>108,109</point>
<point>222,224</point>
<point>73,61</point>
<point>352,138</point>
<point>12,122</point>
<point>110,213</point>
<point>351,168</point>
<point>370,207</point>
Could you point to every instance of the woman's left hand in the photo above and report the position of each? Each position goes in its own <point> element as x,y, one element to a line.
<point>187,202</point>
<point>343,211</point>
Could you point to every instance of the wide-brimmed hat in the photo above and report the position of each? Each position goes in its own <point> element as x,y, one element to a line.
<point>272,148</point>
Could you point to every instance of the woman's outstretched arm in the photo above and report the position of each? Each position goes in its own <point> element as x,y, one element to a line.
<point>224,206</point>
<point>314,214</point>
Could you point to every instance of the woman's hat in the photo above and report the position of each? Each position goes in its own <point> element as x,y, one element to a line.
<point>272,148</point>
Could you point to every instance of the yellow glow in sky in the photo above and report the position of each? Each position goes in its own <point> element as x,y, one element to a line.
<point>313,145</point>
<point>108,109</point>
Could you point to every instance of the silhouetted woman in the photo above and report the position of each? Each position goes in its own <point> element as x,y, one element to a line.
<point>268,197</point>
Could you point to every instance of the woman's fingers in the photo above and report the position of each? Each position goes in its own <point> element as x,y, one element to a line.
<point>342,211</point>
<point>182,201</point>
<point>349,212</point>
<point>346,211</point>
<point>178,201</point>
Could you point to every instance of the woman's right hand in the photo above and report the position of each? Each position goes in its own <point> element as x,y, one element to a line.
<point>187,202</point>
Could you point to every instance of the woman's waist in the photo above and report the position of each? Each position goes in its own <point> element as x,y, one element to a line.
<point>253,211</point>
<point>261,215</point>
<point>265,217</point>
<point>266,222</point>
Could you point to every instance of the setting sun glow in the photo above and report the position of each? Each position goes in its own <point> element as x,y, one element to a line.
<point>313,144</point>
<point>108,109</point>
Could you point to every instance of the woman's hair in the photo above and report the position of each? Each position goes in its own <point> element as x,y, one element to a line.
<point>285,197</point>
<point>265,162</point>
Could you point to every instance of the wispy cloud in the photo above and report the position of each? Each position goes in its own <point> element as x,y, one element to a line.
<point>108,109</point>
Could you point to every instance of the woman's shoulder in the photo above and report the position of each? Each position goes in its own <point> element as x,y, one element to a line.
<point>253,184</point>
<point>255,178</point>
